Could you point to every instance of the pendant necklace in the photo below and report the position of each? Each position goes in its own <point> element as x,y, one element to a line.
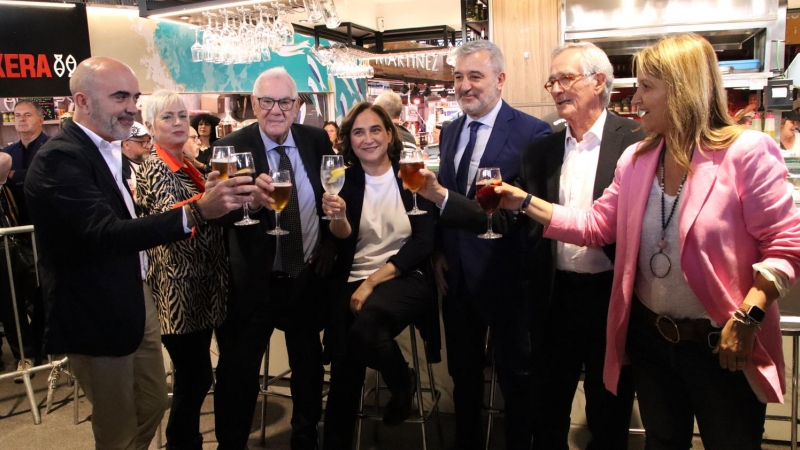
<point>662,243</point>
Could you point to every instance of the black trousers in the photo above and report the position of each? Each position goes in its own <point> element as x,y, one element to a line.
<point>297,307</point>
<point>465,331</point>
<point>370,342</point>
<point>192,377</point>
<point>574,338</point>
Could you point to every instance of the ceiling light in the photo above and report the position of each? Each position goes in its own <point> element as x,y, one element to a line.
<point>38,4</point>
<point>185,17</point>
<point>204,8</point>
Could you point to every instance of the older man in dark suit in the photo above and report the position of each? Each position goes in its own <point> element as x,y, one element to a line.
<point>571,285</point>
<point>276,283</point>
<point>99,311</point>
<point>482,280</point>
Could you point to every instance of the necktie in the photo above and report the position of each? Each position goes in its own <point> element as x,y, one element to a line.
<point>292,256</point>
<point>463,167</point>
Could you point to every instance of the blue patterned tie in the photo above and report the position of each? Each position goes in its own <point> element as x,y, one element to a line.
<point>292,256</point>
<point>463,167</point>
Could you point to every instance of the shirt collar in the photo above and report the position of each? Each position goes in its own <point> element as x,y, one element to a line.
<point>596,130</point>
<point>270,145</point>
<point>173,164</point>
<point>489,118</point>
<point>96,139</point>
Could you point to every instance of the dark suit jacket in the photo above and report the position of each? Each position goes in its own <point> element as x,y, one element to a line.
<point>485,265</point>
<point>21,159</point>
<point>251,249</point>
<point>540,175</point>
<point>88,248</point>
<point>413,255</point>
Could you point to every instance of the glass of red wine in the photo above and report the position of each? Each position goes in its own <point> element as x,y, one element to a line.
<point>486,180</point>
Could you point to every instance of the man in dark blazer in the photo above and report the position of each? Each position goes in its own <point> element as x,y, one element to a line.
<point>571,286</point>
<point>482,280</point>
<point>276,283</point>
<point>99,310</point>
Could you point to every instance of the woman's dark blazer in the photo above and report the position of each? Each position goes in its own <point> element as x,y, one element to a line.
<point>413,255</point>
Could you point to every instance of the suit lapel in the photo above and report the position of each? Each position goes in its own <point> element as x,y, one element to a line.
<point>637,190</point>
<point>697,189</point>
<point>311,161</point>
<point>447,169</point>
<point>497,140</point>
<point>554,160</point>
<point>257,149</point>
<point>610,151</point>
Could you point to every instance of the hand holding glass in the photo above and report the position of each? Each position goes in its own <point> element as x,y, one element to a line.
<point>243,166</point>
<point>282,182</point>
<point>486,180</point>
<point>222,161</point>
<point>332,175</point>
<point>410,163</point>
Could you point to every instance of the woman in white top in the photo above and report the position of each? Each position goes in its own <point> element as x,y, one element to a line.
<point>382,276</point>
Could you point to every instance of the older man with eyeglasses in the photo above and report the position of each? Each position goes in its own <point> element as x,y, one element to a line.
<point>135,150</point>
<point>276,283</point>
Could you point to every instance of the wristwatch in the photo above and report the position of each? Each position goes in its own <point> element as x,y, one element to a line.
<point>753,312</point>
<point>525,203</point>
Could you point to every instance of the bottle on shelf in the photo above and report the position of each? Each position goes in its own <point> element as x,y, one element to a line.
<point>769,124</point>
<point>757,123</point>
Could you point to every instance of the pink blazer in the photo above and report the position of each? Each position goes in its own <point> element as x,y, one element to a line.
<point>737,209</point>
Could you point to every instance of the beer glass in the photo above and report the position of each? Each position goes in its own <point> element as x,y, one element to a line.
<point>222,161</point>
<point>282,182</point>
<point>244,167</point>
<point>410,164</point>
<point>486,180</point>
<point>332,174</point>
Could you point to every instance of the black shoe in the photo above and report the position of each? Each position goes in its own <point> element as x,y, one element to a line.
<point>398,408</point>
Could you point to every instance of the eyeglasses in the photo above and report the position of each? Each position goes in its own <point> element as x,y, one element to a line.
<point>195,137</point>
<point>266,103</point>
<point>145,144</point>
<point>565,81</point>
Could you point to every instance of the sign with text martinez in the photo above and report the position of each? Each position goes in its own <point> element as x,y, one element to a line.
<point>40,49</point>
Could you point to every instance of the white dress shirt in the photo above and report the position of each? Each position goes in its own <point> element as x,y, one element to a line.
<point>576,187</point>
<point>482,138</point>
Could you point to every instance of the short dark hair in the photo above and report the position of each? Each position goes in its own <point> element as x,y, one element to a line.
<point>330,122</point>
<point>346,148</point>
<point>209,119</point>
<point>36,107</point>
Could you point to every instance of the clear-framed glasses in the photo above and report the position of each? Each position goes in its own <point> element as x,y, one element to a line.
<point>565,81</point>
<point>285,104</point>
<point>143,143</point>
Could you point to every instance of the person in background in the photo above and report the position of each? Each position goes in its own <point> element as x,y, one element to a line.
<point>382,276</point>
<point>333,133</point>
<point>707,239</point>
<point>135,150</point>
<point>28,121</point>
<point>191,149</point>
<point>482,281</point>
<point>6,307</point>
<point>188,277</point>
<point>206,126</point>
<point>276,283</point>
<point>572,167</point>
<point>393,104</point>
<point>91,246</point>
<point>749,110</point>
<point>790,137</point>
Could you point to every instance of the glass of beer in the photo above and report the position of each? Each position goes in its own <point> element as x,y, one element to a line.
<point>410,163</point>
<point>282,182</point>
<point>244,167</point>
<point>222,161</point>
<point>486,180</point>
<point>332,174</point>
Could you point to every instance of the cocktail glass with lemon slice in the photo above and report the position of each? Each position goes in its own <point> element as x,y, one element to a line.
<point>332,175</point>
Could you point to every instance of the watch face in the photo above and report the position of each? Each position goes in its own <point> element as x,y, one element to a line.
<point>756,313</point>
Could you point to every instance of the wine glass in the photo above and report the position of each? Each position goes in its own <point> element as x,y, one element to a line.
<point>222,161</point>
<point>244,167</point>
<point>197,48</point>
<point>332,174</point>
<point>410,163</point>
<point>282,182</point>
<point>486,180</point>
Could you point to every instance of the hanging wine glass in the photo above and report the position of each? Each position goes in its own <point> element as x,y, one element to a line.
<point>329,13</point>
<point>197,48</point>
<point>313,9</point>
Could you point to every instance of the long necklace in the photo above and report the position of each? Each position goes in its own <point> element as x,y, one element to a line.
<point>665,221</point>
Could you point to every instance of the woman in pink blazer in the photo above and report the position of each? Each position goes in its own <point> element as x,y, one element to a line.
<point>707,237</point>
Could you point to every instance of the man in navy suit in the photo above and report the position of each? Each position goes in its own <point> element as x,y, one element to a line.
<point>571,285</point>
<point>481,280</point>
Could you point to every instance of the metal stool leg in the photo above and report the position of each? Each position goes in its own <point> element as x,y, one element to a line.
<point>491,411</point>
<point>420,405</point>
<point>264,386</point>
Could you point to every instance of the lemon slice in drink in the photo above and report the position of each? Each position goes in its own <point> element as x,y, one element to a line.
<point>336,174</point>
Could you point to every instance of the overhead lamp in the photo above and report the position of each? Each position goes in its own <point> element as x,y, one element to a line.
<point>415,91</point>
<point>404,89</point>
<point>38,4</point>
<point>427,91</point>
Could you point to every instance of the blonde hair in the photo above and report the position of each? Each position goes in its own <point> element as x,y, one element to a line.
<point>697,108</point>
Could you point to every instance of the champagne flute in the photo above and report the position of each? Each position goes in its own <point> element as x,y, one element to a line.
<point>282,182</point>
<point>222,161</point>
<point>244,167</point>
<point>410,163</point>
<point>486,180</point>
<point>332,175</point>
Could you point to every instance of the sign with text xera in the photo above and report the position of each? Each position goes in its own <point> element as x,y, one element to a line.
<point>40,49</point>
